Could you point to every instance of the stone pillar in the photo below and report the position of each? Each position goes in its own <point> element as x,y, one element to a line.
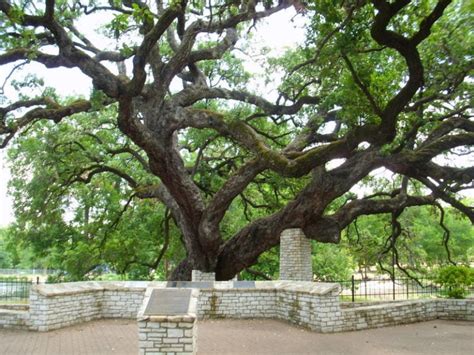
<point>203,276</point>
<point>295,256</point>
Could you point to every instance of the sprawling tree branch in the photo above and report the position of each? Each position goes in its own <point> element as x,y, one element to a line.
<point>407,47</point>
<point>176,52</point>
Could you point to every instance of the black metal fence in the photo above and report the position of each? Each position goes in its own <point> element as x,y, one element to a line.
<point>14,289</point>
<point>388,289</point>
<point>19,272</point>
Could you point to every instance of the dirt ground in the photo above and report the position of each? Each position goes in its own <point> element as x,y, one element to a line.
<point>249,337</point>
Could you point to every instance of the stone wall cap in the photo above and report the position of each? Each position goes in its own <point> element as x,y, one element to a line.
<point>468,299</point>
<point>388,304</point>
<point>13,311</point>
<point>67,288</point>
<point>70,288</point>
<point>314,288</point>
<point>188,318</point>
<point>15,307</point>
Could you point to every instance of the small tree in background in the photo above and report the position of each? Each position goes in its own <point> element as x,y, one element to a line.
<point>456,280</point>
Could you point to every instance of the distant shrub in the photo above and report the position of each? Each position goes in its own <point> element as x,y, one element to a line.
<point>110,277</point>
<point>13,278</point>
<point>456,280</point>
<point>57,278</point>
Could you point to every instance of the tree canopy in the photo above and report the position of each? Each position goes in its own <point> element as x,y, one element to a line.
<point>173,131</point>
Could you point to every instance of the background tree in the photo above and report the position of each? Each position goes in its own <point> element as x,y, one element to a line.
<point>5,257</point>
<point>375,85</point>
<point>424,243</point>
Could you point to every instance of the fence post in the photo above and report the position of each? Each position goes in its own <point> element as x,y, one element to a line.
<point>37,280</point>
<point>365,287</point>
<point>393,287</point>
<point>353,288</point>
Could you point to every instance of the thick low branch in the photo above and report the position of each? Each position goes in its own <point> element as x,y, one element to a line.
<point>221,201</point>
<point>243,249</point>
<point>443,144</point>
<point>48,60</point>
<point>354,209</point>
<point>217,51</point>
<point>438,192</point>
<point>102,78</point>
<point>191,95</point>
<point>55,114</point>
<point>85,175</point>
<point>295,164</point>
<point>416,166</point>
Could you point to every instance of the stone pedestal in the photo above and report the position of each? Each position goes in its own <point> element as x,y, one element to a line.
<point>295,256</point>
<point>167,335</point>
<point>167,322</point>
<point>203,276</point>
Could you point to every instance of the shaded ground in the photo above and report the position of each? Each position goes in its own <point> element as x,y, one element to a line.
<point>250,337</point>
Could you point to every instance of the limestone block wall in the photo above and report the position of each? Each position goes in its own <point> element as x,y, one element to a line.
<point>452,309</point>
<point>319,312</point>
<point>312,305</point>
<point>317,306</point>
<point>14,319</point>
<point>59,305</point>
<point>57,311</point>
<point>396,313</point>
<point>237,303</point>
<point>295,256</point>
<point>387,314</point>
<point>123,303</point>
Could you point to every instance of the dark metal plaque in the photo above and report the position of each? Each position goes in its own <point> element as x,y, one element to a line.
<point>244,284</point>
<point>166,302</point>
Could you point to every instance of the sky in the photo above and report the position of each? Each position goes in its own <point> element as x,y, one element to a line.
<point>278,33</point>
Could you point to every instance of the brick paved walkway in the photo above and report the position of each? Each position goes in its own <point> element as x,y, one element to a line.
<point>226,337</point>
<point>249,337</point>
<point>92,338</point>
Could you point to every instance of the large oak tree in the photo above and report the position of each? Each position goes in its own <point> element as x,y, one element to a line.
<point>375,84</point>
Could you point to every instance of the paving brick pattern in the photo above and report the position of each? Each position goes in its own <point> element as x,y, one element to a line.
<point>272,337</point>
<point>242,337</point>
<point>118,337</point>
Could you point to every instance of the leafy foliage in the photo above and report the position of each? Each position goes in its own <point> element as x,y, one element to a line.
<point>5,258</point>
<point>180,152</point>
<point>456,279</point>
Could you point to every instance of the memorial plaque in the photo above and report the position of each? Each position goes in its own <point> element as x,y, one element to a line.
<point>244,284</point>
<point>166,302</point>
